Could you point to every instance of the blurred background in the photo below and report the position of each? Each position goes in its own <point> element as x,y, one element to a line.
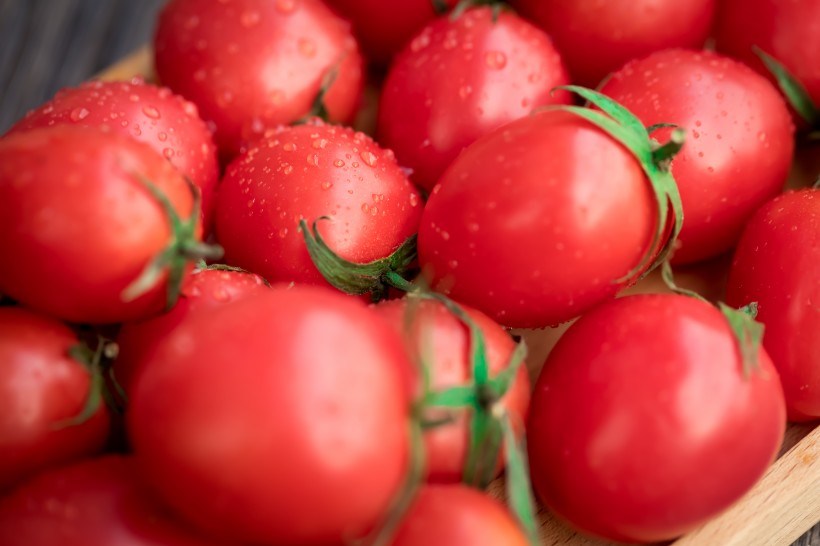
<point>49,44</point>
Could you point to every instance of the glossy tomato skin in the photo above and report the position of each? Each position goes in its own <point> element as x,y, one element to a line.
<point>596,37</point>
<point>788,30</point>
<point>253,64</point>
<point>291,419</point>
<point>154,115</point>
<point>41,387</point>
<point>643,425</point>
<point>203,289</point>
<point>460,78</point>
<point>96,501</point>
<point>534,223</point>
<point>738,129</point>
<point>77,225</point>
<point>777,265</point>
<point>311,171</point>
<point>456,514</point>
<point>438,337</point>
<point>383,28</point>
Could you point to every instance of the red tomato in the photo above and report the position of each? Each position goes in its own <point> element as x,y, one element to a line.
<point>459,79</point>
<point>78,226</point>
<point>288,422</point>
<point>738,128</point>
<point>534,223</point>
<point>42,387</point>
<point>643,425</point>
<point>310,171</point>
<point>253,64</point>
<point>151,114</point>
<point>789,30</point>
<point>383,28</point>
<point>203,289</point>
<point>98,501</point>
<point>596,37</point>
<point>777,265</point>
<point>456,514</point>
<point>438,337</point>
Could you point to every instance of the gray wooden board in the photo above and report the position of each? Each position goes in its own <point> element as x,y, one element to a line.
<point>49,44</point>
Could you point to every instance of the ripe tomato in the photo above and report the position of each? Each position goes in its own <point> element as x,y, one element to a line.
<point>544,190</point>
<point>290,404</point>
<point>643,424</point>
<point>456,514</point>
<point>738,128</point>
<point>596,37</point>
<point>439,338</point>
<point>97,501</point>
<point>383,28</point>
<point>777,265</point>
<point>789,30</point>
<point>203,289</point>
<point>311,171</point>
<point>460,78</point>
<point>151,114</point>
<point>253,64</point>
<point>41,388</point>
<point>77,224</point>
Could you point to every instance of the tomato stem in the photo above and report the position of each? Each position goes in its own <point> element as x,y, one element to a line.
<point>319,109</point>
<point>791,87</point>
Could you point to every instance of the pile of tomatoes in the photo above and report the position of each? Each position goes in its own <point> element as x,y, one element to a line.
<point>272,301</point>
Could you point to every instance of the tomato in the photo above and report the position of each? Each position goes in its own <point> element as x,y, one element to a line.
<point>777,265</point>
<point>151,114</point>
<point>596,37</point>
<point>456,514</point>
<point>538,221</point>
<point>738,128</point>
<point>307,172</point>
<point>97,501</point>
<point>203,289</point>
<point>383,28</point>
<point>440,339</point>
<point>77,224</point>
<point>288,423</point>
<point>458,79</point>
<point>789,30</point>
<point>253,64</point>
<point>41,388</point>
<point>643,423</point>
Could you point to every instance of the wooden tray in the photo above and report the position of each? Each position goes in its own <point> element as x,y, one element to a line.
<point>776,512</point>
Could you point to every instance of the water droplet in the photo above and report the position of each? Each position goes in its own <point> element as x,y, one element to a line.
<point>283,233</point>
<point>452,264</point>
<point>414,200</point>
<point>698,123</point>
<point>249,18</point>
<point>369,158</point>
<point>326,185</point>
<point>307,47</point>
<point>495,60</point>
<point>168,153</point>
<point>151,112</point>
<point>320,144</point>
<point>162,136</point>
<point>289,147</point>
<point>79,114</point>
<point>287,168</point>
<point>695,134</point>
<point>711,169</point>
<point>420,42</point>
<point>465,91</point>
<point>338,163</point>
<point>445,235</point>
<point>313,159</point>
<point>365,207</point>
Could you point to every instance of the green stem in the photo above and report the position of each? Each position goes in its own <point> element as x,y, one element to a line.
<point>791,87</point>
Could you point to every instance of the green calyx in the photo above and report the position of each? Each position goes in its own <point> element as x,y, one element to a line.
<point>351,278</point>
<point>791,87</point>
<point>654,158</point>
<point>496,5</point>
<point>183,247</point>
<point>318,108</point>
<point>440,6</point>
<point>747,331</point>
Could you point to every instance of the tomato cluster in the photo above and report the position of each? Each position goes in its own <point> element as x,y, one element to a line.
<point>286,296</point>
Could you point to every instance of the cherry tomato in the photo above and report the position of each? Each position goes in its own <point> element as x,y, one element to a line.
<point>78,225</point>
<point>596,37</point>
<point>97,501</point>
<point>253,64</point>
<point>788,30</point>
<point>738,128</point>
<point>777,265</point>
<point>308,172</point>
<point>151,114</point>
<point>458,79</point>
<point>437,337</point>
<point>456,514</point>
<point>41,389</point>
<point>203,289</point>
<point>288,421</point>
<point>538,221</point>
<point>643,423</point>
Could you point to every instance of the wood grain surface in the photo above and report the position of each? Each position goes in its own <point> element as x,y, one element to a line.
<point>48,44</point>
